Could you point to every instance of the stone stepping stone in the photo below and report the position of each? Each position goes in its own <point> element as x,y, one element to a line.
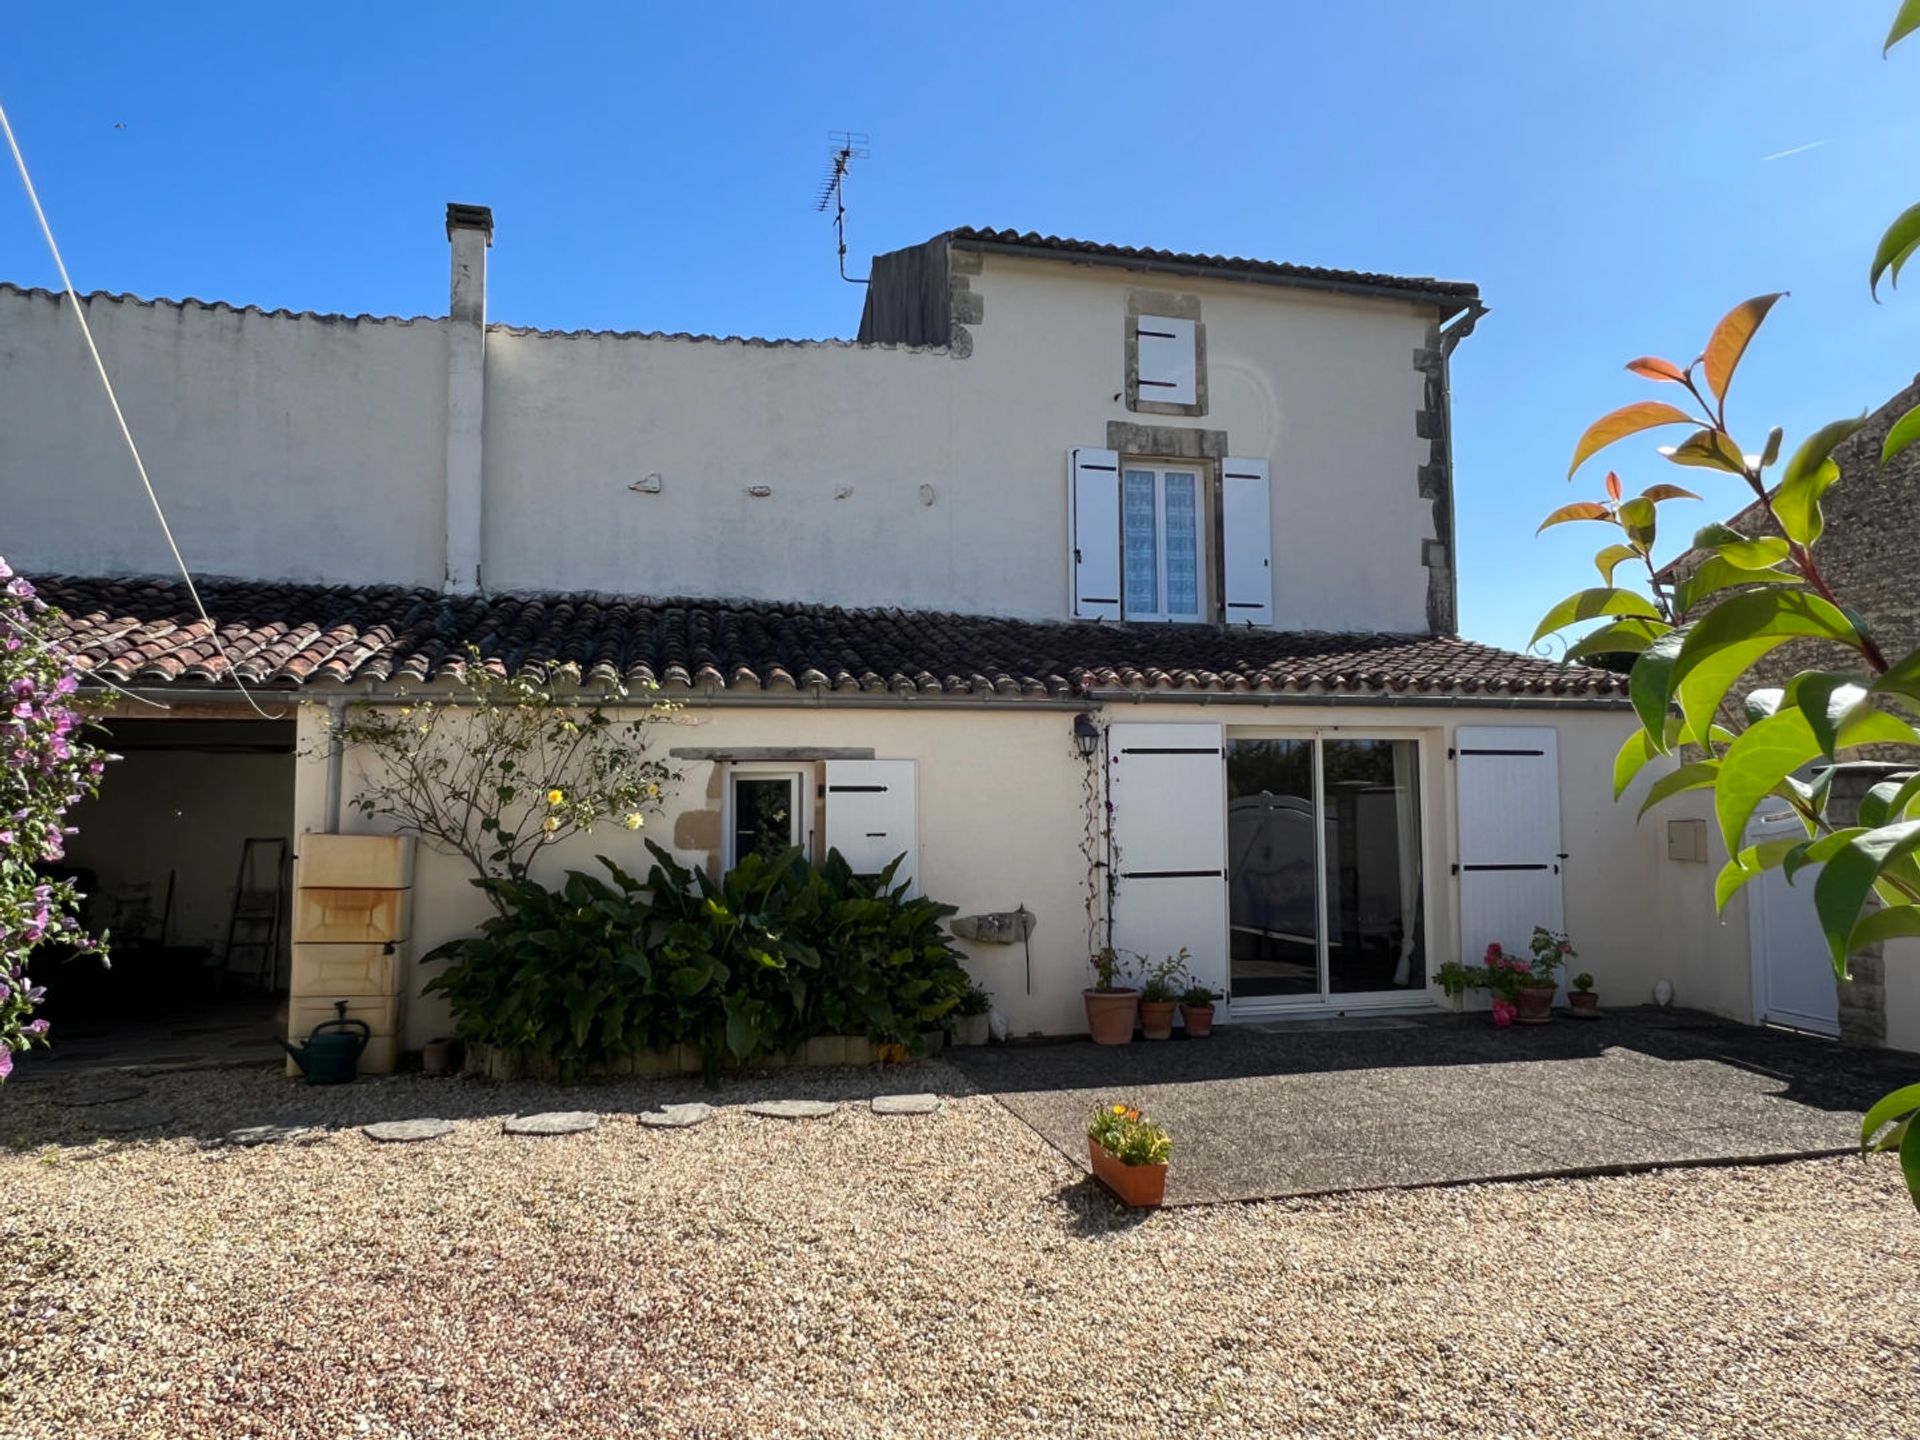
<point>100,1095</point>
<point>676,1117</point>
<point>134,1117</point>
<point>552,1122</point>
<point>251,1135</point>
<point>793,1109</point>
<point>393,1132</point>
<point>905,1104</point>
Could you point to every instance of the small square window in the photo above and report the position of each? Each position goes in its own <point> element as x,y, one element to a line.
<point>768,811</point>
<point>1166,360</point>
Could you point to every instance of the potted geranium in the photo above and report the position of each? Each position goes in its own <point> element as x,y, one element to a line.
<point>1581,998</point>
<point>1110,1001</point>
<point>1522,989</point>
<point>1196,1010</point>
<point>1158,996</point>
<point>1129,1155</point>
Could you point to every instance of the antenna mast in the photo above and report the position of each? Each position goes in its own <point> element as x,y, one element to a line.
<point>845,146</point>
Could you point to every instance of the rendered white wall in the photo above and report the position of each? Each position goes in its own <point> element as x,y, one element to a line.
<point>308,448</point>
<point>282,447</point>
<point>1001,823</point>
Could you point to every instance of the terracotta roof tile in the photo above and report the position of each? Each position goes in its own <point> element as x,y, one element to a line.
<point>279,634</point>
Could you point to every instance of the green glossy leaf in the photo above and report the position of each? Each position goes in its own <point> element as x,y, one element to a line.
<point>1696,775</point>
<point>1623,637</point>
<point>1887,1109</point>
<point>1889,801</point>
<point>1608,560</point>
<point>1753,767</point>
<point>1578,510</point>
<point>1771,452</point>
<point>1808,476</point>
<point>1723,644</point>
<point>1896,922</point>
<point>1905,21</point>
<point>1910,1162</point>
<point>1738,549</point>
<point>1717,573</point>
<point>1848,879</point>
<point>1749,864</point>
<point>1639,520</point>
<point>1627,420</point>
<point>1901,678</point>
<point>1896,248</point>
<point>1827,698</point>
<point>1761,703</point>
<point>1818,850</point>
<point>1590,605</point>
<point>1730,339</point>
<point>1650,685</point>
<point>1709,449</point>
<point>1905,431</point>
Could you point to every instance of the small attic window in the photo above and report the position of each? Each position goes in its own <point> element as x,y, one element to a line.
<point>1168,369</point>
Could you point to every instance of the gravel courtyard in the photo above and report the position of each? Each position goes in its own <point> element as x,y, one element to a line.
<point>945,1275</point>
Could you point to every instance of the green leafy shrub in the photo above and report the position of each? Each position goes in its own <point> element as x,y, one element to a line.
<point>742,967</point>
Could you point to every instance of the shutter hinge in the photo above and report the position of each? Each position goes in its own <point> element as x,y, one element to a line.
<point>1456,869</point>
<point>1452,754</point>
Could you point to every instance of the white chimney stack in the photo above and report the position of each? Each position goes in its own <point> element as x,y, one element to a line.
<point>469,232</point>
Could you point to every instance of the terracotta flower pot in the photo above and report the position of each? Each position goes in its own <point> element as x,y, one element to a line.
<point>1584,1003</point>
<point>440,1057</point>
<point>1110,1015</point>
<point>1140,1187</point>
<point>1198,1019</point>
<point>1156,1019</point>
<point>1535,1003</point>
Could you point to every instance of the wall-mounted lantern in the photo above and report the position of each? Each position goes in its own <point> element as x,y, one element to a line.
<point>1086,734</point>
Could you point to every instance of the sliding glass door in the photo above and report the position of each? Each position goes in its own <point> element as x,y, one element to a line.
<point>1324,876</point>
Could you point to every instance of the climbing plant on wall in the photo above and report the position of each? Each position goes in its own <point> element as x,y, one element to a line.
<point>1754,591</point>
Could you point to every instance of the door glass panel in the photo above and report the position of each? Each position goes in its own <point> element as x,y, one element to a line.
<point>1183,544</point>
<point>765,817</point>
<point>1142,547</point>
<point>1272,890</point>
<point>1375,939</point>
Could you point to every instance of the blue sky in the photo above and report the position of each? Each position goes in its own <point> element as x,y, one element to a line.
<point>1601,171</point>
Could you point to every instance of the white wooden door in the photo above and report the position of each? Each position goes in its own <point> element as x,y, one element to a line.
<point>1793,980</point>
<point>1168,788</point>
<point>1508,781</point>
<point>873,816</point>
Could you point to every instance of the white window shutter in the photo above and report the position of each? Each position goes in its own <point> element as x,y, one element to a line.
<point>1093,558</point>
<point>1246,514</point>
<point>873,815</point>
<point>1164,349</point>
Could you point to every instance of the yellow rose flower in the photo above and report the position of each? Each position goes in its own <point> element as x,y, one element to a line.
<point>554,797</point>
<point>550,824</point>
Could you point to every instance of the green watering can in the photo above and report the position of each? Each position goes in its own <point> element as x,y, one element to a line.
<point>331,1055</point>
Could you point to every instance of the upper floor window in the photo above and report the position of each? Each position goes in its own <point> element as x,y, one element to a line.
<point>1161,576</point>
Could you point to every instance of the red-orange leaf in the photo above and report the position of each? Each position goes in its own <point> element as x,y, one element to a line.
<point>1579,510</point>
<point>1657,493</point>
<point>1613,486</point>
<point>1729,341</point>
<point>1652,367</point>
<point>1627,420</point>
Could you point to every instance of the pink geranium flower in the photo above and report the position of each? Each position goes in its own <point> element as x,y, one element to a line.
<point>1503,1012</point>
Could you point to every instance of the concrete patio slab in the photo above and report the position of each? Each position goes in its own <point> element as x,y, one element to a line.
<point>1259,1112</point>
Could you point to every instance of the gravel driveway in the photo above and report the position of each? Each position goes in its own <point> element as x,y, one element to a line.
<point>946,1275</point>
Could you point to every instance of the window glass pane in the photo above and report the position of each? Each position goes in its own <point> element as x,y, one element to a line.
<point>1142,544</point>
<point>1272,883</point>
<point>765,821</point>
<point>1183,544</point>
<point>1375,940</point>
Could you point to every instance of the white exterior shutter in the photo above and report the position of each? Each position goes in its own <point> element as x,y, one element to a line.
<point>1164,349</point>
<point>873,815</point>
<point>1509,788</point>
<point>1093,557</point>
<point>1168,787</point>
<point>1246,515</point>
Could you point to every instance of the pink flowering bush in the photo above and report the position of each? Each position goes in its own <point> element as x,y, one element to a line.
<point>50,767</point>
<point>1505,975</point>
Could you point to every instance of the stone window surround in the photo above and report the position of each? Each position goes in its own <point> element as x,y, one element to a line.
<point>1174,306</point>
<point>1161,444</point>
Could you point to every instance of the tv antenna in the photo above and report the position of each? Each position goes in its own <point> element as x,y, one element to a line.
<point>844,147</point>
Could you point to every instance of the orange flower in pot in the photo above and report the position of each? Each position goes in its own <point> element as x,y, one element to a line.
<point>1110,1000</point>
<point>1129,1155</point>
